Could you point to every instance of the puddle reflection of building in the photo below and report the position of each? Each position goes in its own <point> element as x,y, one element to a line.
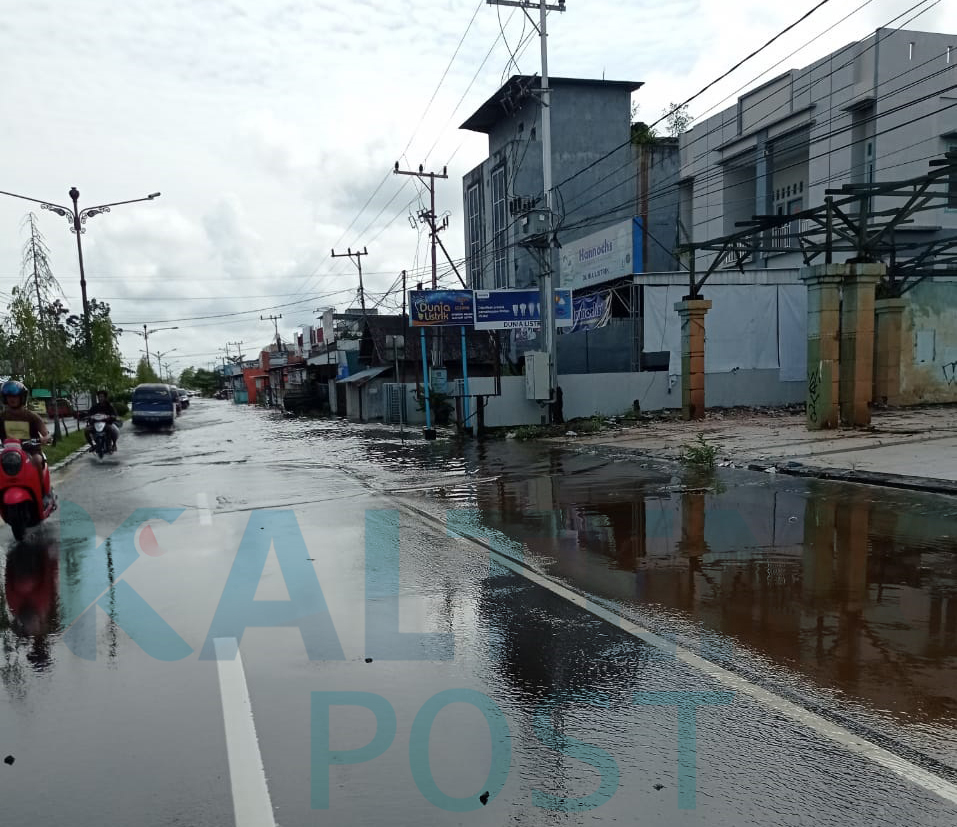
<point>853,587</point>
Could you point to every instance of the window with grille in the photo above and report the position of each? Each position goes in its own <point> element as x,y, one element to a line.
<point>474,209</point>
<point>499,228</point>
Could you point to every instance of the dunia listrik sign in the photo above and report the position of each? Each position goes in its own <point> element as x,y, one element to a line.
<point>438,308</point>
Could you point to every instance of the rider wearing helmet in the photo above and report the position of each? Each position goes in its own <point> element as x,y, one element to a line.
<point>18,422</point>
<point>102,406</point>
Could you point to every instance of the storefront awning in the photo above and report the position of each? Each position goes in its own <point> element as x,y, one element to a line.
<point>363,376</point>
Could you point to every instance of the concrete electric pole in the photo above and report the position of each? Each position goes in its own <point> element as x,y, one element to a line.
<point>548,269</point>
<point>275,322</point>
<point>239,352</point>
<point>428,178</point>
<point>357,255</point>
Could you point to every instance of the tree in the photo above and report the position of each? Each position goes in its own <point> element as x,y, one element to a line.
<point>677,118</point>
<point>642,134</point>
<point>145,373</point>
<point>187,378</point>
<point>205,381</point>
<point>36,340</point>
<point>100,366</point>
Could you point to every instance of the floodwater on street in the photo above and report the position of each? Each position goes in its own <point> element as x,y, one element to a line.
<point>847,592</point>
<point>834,603</point>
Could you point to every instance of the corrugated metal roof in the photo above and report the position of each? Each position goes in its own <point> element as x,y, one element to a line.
<point>363,375</point>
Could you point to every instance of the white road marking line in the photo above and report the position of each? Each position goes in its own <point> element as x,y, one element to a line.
<point>835,732</point>
<point>205,515</point>
<point>247,776</point>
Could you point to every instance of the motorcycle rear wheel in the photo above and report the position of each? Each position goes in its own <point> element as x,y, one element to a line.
<point>18,518</point>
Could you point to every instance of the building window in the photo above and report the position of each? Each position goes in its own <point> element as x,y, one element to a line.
<point>499,228</point>
<point>952,183</point>
<point>473,198</point>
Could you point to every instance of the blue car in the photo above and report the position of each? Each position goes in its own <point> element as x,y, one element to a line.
<point>153,405</point>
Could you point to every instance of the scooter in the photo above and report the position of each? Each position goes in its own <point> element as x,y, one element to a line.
<point>103,442</point>
<point>26,497</point>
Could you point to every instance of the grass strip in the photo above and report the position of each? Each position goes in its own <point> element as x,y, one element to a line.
<point>65,446</point>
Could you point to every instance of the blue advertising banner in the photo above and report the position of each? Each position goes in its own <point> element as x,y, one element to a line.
<point>591,311</point>
<point>440,308</point>
<point>512,309</point>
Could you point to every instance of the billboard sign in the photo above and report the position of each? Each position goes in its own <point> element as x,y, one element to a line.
<point>328,327</point>
<point>609,254</point>
<point>518,309</point>
<point>440,308</point>
<point>592,311</point>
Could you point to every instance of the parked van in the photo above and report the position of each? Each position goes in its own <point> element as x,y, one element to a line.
<point>153,405</point>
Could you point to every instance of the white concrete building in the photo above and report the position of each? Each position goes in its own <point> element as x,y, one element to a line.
<point>879,109</point>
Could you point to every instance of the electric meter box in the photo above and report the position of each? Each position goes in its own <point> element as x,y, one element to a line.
<point>536,375</point>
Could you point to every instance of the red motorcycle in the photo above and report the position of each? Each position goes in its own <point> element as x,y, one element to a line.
<point>26,498</point>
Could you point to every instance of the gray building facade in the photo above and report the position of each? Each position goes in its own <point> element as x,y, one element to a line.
<point>592,171</point>
<point>876,110</point>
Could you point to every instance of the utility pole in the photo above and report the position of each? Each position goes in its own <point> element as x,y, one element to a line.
<point>428,178</point>
<point>429,217</point>
<point>239,352</point>
<point>405,326</point>
<point>275,322</point>
<point>548,293</point>
<point>357,255</point>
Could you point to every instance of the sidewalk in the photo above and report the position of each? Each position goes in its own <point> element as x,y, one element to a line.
<point>905,447</point>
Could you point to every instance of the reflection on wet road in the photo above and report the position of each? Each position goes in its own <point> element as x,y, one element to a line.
<point>853,587</point>
<point>833,603</point>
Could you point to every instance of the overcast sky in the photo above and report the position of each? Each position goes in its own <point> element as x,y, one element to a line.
<point>268,127</point>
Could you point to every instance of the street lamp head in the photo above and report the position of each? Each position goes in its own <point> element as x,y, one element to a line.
<point>153,195</point>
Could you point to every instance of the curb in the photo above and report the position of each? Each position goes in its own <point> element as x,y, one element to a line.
<point>929,485</point>
<point>63,463</point>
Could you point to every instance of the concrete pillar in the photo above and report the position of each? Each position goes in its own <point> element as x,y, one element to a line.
<point>888,317</point>
<point>692,313</point>
<point>857,342</point>
<point>823,323</point>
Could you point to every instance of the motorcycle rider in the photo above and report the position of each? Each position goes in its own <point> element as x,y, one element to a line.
<point>18,422</point>
<point>102,406</point>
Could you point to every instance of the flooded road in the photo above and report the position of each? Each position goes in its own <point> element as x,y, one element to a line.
<point>622,641</point>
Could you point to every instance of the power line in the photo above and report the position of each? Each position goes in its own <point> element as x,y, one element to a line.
<point>716,174</point>
<point>415,132</point>
<point>236,313</point>
<point>811,82</point>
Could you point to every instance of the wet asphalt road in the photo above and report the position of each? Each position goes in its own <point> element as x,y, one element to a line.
<point>127,725</point>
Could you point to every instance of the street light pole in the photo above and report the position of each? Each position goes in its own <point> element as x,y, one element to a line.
<point>159,357</point>
<point>76,219</point>
<point>146,337</point>
<point>78,231</point>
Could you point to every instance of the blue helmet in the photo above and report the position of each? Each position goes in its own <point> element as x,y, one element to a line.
<point>14,388</point>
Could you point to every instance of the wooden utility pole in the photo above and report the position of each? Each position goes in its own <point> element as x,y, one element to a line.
<point>357,255</point>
